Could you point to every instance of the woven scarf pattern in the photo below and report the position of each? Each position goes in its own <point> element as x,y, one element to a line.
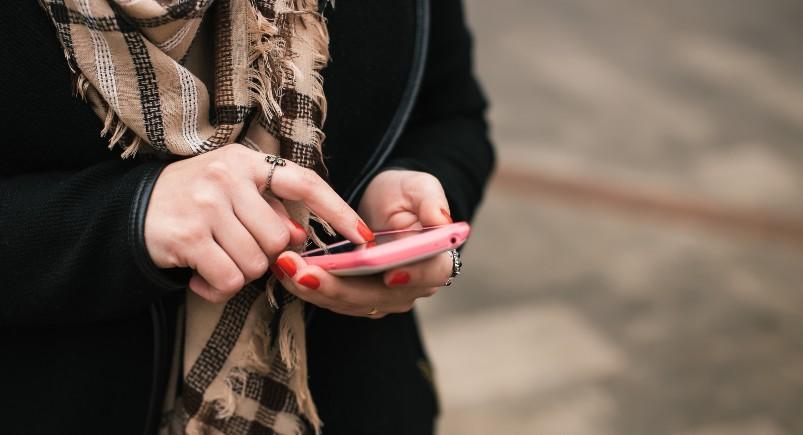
<point>244,362</point>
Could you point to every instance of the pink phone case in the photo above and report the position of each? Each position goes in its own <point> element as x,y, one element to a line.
<point>396,253</point>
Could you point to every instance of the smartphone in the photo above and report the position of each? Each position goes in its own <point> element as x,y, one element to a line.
<point>389,250</point>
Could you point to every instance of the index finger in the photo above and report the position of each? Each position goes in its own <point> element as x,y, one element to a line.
<point>296,183</point>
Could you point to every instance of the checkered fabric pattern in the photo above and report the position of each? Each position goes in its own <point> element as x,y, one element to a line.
<point>244,363</point>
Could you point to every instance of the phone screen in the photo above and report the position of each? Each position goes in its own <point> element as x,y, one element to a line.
<point>382,237</point>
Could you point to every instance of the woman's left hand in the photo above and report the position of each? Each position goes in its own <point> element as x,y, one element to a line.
<point>395,199</point>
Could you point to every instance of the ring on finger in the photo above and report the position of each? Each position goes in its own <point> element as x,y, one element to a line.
<point>373,311</point>
<point>457,266</point>
<point>273,161</point>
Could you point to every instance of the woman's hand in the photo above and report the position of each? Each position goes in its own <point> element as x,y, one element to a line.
<point>395,199</point>
<point>208,213</point>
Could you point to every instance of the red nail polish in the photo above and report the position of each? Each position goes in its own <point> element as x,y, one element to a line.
<point>309,281</point>
<point>276,271</point>
<point>297,225</point>
<point>447,215</point>
<point>364,231</point>
<point>287,266</point>
<point>400,278</point>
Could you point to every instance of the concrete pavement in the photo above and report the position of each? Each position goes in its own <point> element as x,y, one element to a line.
<point>587,317</point>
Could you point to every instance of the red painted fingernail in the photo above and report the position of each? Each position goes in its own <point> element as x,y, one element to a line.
<point>400,278</point>
<point>364,231</point>
<point>297,225</point>
<point>447,215</point>
<point>287,266</point>
<point>309,281</point>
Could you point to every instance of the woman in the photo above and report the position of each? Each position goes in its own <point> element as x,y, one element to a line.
<point>97,250</point>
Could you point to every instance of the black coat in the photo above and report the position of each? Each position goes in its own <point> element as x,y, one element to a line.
<point>86,318</point>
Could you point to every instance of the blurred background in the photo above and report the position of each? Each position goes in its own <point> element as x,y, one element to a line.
<point>637,265</point>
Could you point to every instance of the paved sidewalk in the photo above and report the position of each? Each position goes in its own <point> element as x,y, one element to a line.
<point>583,315</point>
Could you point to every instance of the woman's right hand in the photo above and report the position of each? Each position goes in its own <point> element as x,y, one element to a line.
<point>208,213</point>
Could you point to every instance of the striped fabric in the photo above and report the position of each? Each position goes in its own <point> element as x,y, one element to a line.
<point>244,363</point>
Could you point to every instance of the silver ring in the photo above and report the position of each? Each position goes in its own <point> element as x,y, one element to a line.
<point>273,161</point>
<point>457,266</point>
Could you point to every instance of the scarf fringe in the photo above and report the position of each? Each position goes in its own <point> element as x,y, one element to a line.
<point>267,76</point>
<point>272,56</point>
<point>293,351</point>
<point>111,121</point>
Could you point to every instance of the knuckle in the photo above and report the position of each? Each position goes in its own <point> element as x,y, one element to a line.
<point>309,179</point>
<point>173,257</point>
<point>233,282</point>
<point>422,181</point>
<point>188,235</point>
<point>173,253</point>
<point>204,199</point>
<point>257,267</point>
<point>424,177</point>
<point>217,171</point>
<point>281,236</point>
<point>278,240</point>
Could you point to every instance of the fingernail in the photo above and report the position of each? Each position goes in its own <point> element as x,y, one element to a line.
<point>309,281</point>
<point>364,231</point>
<point>276,271</point>
<point>447,215</point>
<point>297,225</point>
<point>400,278</point>
<point>287,266</point>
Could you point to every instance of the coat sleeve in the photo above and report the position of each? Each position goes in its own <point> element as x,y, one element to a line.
<point>447,135</point>
<point>72,246</point>
<point>71,213</point>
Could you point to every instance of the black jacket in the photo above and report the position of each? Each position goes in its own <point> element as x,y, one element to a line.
<point>86,318</point>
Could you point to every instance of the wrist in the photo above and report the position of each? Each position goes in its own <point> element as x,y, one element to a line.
<point>167,279</point>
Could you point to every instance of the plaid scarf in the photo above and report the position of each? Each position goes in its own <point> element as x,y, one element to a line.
<point>244,363</point>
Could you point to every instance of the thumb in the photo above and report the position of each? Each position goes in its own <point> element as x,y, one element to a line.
<point>430,203</point>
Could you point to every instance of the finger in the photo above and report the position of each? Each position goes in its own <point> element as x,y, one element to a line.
<point>240,246</point>
<point>300,184</point>
<point>271,231</point>
<point>202,288</point>
<point>355,296</point>
<point>298,234</point>
<point>425,275</point>
<point>212,263</point>
<point>428,200</point>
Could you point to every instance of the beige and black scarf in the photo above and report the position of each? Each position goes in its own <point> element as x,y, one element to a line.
<point>244,363</point>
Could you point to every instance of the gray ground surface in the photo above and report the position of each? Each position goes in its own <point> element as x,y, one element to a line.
<point>574,318</point>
